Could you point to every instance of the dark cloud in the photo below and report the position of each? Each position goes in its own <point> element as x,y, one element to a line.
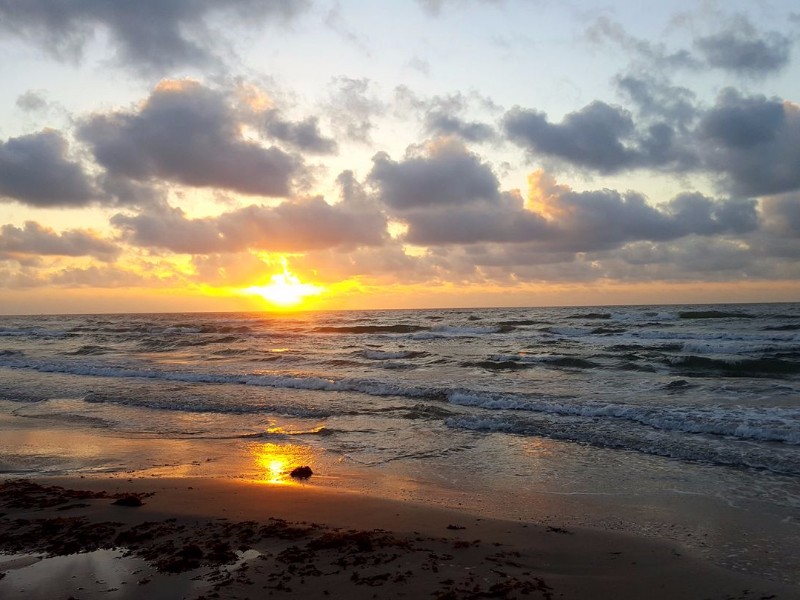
<point>606,219</point>
<point>36,170</point>
<point>169,228</point>
<point>502,221</point>
<point>36,240</point>
<point>151,36</point>
<point>752,143</point>
<point>297,226</point>
<point>451,197</point>
<point>130,193</point>
<point>598,136</point>
<point>471,131</point>
<point>782,215</point>
<point>189,134</point>
<point>449,176</point>
<point>605,138</point>
<point>690,257</point>
<point>303,135</point>
<point>655,98</point>
<point>745,51</point>
<point>739,122</point>
<point>445,115</point>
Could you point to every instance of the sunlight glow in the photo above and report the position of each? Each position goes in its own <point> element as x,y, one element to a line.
<point>285,289</point>
<point>274,462</point>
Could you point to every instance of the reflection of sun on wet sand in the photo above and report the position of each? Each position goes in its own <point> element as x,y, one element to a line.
<point>276,461</point>
<point>200,538</point>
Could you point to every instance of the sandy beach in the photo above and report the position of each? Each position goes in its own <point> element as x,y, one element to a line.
<point>217,538</point>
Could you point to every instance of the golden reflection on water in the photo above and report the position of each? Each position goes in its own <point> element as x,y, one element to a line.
<point>274,462</point>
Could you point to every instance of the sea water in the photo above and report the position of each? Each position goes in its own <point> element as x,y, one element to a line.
<point>676,421</point>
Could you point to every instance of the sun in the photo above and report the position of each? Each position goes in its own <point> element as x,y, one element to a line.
<point>285,290</point>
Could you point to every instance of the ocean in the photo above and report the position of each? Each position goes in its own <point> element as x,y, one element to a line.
<point>673,421</point>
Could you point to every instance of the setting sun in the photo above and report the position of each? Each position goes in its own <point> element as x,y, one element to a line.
<point>285,289</point>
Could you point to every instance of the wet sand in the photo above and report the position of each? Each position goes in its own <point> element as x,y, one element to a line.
<point>218,538</point>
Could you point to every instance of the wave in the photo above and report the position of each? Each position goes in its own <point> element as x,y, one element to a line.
<point>452,331</point>
<point>553,360</point>
<point>773,425</point>
<point>790,327</point>
<point>607,330</point>
<point>209,406</point>
<point>735,366</point>
<point>714,314</point>
<point>300,382</point>
<point>35,332</point>
<point>273,432</point>
<point>736,347</point>
<point>387,355</point>
<point>367,329</point>
<point>780,425</point>
<point>90,350</point>
<point>716,451</point>
<point>498,365</point>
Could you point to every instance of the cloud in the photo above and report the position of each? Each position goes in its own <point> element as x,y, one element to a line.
<point>435,7</point>
<point>168,228</point>
<point>445,115</point>
<point>606,219</point>
<point>655,98</point>
<point>448,176</point>
<point>471,131</point>
<point>656,56</point>
<point>36,170</point>
<point>753,143</point>
<point>737,47</point>
<point>450,197</point>
<point>302,135</point>
<point>151,36</point>
<point>782,215</point>
<point>32,101</point>
<point>304,225</point>
<point>744,51</point>
<point>296,226</point>
<point>738,122</point>
<point>35,240</point>
<point>189,134</point>
<point>504,221</point>
<point>600,137</point>
<point>352,106</point>
<point>106,277</point>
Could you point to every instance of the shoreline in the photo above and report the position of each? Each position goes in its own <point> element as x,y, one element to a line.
<point>299,539</point>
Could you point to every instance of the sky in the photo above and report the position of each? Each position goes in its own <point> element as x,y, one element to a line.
<point>197,155</point>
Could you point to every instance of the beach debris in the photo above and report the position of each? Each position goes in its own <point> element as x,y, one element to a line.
<point>561,530</point>
<point>303,472</point>
<point>129,500</point>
